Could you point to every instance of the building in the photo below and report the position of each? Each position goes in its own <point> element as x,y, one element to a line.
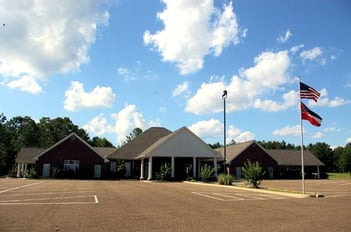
<point>276,163</point>
<point>142,157</point>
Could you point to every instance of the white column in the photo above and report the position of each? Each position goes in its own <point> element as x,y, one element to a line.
<point>22,169</point>
<point>318,173</point>
<point>194,167</point>
<point>26,169</point>
<point>142,170</point>
<point>149,177</point>
<point>215,165</point>
<point>18,170</point>
<point>172,167</point>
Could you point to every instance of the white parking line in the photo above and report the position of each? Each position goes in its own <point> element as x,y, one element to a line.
<point>34,201</point>
<point>19,187</point>
<point>229,196</point>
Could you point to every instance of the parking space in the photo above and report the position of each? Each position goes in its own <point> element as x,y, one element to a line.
<point>98,205</point>
<point>327,188</point>
<point>32,192</point>
<point>238,196</point>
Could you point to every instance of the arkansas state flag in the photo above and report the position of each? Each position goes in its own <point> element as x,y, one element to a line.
<point>309,115</point>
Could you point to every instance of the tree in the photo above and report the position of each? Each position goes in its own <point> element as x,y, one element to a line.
<point>324,153</point>
<point>7,151</point>
<point>137,131</point>
<point>343,158</point>
<point>100,142</point>
<point>53,130</point>
<point>215,145</point>
<point>253,173</point>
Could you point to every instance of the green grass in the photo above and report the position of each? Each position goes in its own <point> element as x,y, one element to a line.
<point>338,176</point>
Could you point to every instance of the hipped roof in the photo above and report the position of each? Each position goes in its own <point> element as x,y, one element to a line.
<point>293,157</point>
<point>140,143</point>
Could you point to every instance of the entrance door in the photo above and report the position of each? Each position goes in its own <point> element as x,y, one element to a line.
<point>97,171</point>
<point>46,170</point>
<point>238,172</point>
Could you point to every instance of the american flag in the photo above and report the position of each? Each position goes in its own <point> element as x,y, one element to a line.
<point>308,92</point>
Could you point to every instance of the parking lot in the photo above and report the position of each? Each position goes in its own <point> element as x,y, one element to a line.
<point>86,205</point>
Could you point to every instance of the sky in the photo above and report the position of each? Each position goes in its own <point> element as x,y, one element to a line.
<point>112,66</point>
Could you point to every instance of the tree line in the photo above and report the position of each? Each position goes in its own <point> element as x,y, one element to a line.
<point>335,160</point>
<point>19,132</point>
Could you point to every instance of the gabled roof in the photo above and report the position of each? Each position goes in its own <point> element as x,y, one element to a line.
<point>140,143</point>
<point>70,136</point>
<point>26,154</point>
<point>183,135</point>
<point>235,150</point>
<point>293,157</point>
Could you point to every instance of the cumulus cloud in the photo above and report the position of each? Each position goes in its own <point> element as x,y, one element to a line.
<point>288,131</point>
<point>25,83</point>
<point>193,30</point>
<point>98,126</point>
<point>48,36</point>
<point>317,135</point>
<point>77,99</point>
<point>120,124</point>
<point>285,38</point>
<point>214,128</point>
<point>325,101</point>
<point>269,73</point>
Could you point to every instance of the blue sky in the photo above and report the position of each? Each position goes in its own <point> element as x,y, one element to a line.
<point>112,66</point>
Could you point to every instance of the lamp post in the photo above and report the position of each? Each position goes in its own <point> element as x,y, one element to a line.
<point>224,97</point>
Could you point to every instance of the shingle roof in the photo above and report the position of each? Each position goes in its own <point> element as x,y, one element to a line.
<point>30,154</point>
<point>234,150</point>
<point>27,154</point>
<point>140,143</point>
<point>146,152</point>
<point>293,157</point>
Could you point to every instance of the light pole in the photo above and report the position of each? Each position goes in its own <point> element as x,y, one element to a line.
<point>224,97</point>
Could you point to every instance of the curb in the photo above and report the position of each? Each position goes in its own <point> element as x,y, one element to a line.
<point>270,191</point>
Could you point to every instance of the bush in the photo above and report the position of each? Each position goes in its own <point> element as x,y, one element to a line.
<point>225,179</point>
<point>206,172</point>
<point>32,173</point>
<point>165,172</point>
<point>253,173</point>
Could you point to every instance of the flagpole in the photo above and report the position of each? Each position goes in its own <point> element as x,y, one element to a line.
<point>301,131</point>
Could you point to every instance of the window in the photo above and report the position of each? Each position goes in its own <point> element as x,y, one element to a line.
<point>71,165</point>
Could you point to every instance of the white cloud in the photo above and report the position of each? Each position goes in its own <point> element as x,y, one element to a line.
<point>49,37</point>
<point>25,83</point>
<point>214,129</point>
<point>192,30</point>
<point>325,101</point>
<point>127,120</point>
<point>238,136</point>
<point>207,129</point>
<point>295,49</point>
<point>182,89</point>
<point>318,135</point>
<point>311,54</point>
<point>288,131</point>
<point>331,129</point>
<point>98,126</point>
<point>124,122</point>
<point>285,38</point>
<point>348,140</point>
<point>77,99</point>
<point>290,99</point>
<point>268,74</point>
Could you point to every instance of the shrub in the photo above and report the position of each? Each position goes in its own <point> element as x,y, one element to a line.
<point>121,168</point>
<point>253,173</point>
<point>165,172</point>
<point>225,179</point>
<point>32,173</point>
<point>206,172</point>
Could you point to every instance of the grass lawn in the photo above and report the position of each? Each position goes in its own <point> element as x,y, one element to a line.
<point>339,176</point>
